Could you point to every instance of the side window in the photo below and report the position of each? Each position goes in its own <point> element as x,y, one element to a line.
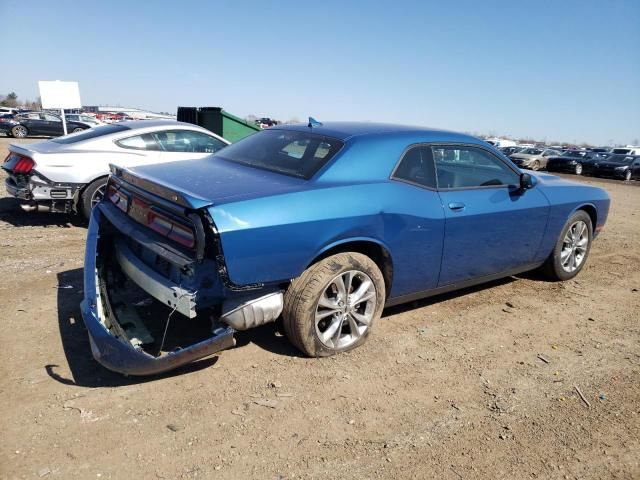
<point>417,167</point>
<point>139,142</point>
<point>51,118</point>
<point>465,167</point>
<point>187,141</point>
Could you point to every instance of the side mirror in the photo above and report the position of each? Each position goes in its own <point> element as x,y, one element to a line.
<point>526,181</point>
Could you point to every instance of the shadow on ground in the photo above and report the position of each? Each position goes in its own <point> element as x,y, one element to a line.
<point>86,372</point>
<point>11,213</point>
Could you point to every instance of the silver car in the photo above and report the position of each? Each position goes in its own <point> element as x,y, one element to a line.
<point>70,173</point>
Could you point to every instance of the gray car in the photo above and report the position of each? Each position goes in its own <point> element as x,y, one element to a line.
<point>533,158</point>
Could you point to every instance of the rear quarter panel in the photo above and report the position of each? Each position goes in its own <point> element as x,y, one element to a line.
<point>276,238</point>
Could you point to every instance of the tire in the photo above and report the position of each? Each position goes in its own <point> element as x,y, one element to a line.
<point>627,175</point>
<point>19,131</point>
<point>578,169</point>
<point>318,319</point>
<point>535,165</point>
<point>91,195</point>
<point>76,130</point>
<point>570,245</point>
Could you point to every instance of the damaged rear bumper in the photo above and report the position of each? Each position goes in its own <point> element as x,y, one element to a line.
<point>115,353</point>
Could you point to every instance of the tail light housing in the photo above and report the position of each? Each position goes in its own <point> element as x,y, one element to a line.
<point>170,228</point>
<point>19,164</point>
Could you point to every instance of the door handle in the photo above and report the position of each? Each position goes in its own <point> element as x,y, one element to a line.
<point>456,205</point>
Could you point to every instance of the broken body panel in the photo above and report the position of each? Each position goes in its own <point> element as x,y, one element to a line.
<point>152,304</point>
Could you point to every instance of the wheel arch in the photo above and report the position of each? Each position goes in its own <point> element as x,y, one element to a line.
<point>80,193</point>
<point>374,249</point>
<point>591,210</point>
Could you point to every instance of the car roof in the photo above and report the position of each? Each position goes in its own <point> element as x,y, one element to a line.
<point>346,130</point>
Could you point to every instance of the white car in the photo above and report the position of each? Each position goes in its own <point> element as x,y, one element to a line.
<point>79,117</point>
<point>70,173</point>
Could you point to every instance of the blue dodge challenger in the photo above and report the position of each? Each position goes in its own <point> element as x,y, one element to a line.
<point>322,225</point>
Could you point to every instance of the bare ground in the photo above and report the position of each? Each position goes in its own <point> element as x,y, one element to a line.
<point>454,387</point>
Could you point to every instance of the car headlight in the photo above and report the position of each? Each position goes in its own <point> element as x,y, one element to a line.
<point>572,162</point>
<point>620,169</point>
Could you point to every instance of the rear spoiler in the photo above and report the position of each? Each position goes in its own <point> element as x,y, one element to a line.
<point>159,188</point>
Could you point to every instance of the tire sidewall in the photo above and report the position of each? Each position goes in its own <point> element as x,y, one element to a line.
<point>87,195</point>
<point>336,265</point>
<point>559,272</point>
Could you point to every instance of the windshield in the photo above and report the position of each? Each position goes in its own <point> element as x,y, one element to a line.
<point>531,151</point>
<point>299,154</point>
<point>91,133</point>
<point>573,153</point>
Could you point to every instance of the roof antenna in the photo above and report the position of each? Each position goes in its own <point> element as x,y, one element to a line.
<point>314,123</point>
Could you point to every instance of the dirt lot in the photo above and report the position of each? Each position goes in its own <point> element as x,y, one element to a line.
<point>452,387</point>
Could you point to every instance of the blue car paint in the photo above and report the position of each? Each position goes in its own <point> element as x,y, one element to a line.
<point>497,230</point>
<point>273,226</point>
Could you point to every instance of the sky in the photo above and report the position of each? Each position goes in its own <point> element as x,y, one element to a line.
<point>560,71</point>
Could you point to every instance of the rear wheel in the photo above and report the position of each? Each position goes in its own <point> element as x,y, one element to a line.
<point>76,130</point>
<point>92,195</point>
<point>578,169</point>
<point>572,248</point>
<point>19,131</point>
<point>333,305</point>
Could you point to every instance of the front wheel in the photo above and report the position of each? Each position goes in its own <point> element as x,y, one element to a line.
<point>578,169</point>
<point>333,305</point>
<point>535,165</point>
<point>627,175</point>
<point>572,248</point>
<point>92,196</point>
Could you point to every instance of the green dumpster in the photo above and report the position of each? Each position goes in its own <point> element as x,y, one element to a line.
<point>218,121</point>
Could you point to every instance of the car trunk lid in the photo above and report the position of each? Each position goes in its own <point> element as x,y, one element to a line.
<point>201,183</point>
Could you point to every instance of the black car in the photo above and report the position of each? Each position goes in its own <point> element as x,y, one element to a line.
<point>573,161</point>
<point>39,123</point>
<point>625,167</point>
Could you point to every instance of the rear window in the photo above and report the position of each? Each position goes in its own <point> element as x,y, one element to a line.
<point>91,133</point>
<point>299,154</point>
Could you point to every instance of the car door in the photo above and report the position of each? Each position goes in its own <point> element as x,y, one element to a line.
<point>635,168</point>
<point>415,237</point>
<point>34,122</point>
<point>185,145</point>
<point>52,125</point>
<point>491,225</point>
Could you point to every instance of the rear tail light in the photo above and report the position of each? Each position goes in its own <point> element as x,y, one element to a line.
<point>118,198</point>
<point>22,165</point>
<point>169,228</point>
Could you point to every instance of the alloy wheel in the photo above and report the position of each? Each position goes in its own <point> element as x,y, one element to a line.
<point>345,309</point>
<point>574,246</point>
<point>19,131</point>
<point>579,169</point>
<point>97,195</point>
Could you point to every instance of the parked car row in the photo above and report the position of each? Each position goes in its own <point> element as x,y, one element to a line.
<point>622,163</point>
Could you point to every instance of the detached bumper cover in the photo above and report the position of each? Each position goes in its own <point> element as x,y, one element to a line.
<point>118,355</point>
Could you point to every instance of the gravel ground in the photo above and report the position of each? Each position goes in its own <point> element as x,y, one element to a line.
<point>474,384</point>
